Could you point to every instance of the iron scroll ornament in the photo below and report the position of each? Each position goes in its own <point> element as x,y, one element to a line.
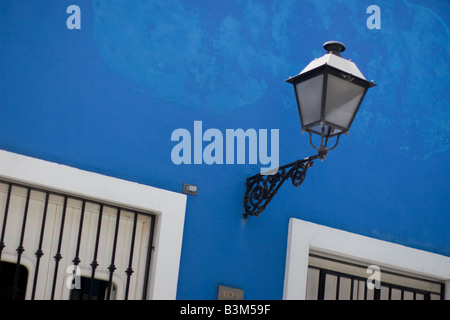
<point>260,189</point>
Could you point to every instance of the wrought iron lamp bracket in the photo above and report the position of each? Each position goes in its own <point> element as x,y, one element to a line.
<point>260,189</point>
<point>323,148</point>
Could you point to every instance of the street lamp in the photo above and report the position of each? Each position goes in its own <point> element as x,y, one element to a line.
<point>329,92</point>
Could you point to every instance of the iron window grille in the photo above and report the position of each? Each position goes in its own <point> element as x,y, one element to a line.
<point>108,243</point>
<point>326,283</point>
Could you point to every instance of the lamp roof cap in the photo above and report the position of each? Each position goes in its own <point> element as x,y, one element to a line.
<point>334,59</point>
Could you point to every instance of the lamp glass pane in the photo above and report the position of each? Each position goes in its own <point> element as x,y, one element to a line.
<point>328,131</point>
<point>343,98</point>
<point>309,94</point>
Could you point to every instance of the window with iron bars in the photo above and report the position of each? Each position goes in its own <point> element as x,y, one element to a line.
<point>330,278</point>
<point>45,236</point>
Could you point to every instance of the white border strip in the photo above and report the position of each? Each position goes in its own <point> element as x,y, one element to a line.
<point>169,207</point>
<point>305,236</point>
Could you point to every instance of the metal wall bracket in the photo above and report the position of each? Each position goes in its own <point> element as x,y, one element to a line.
<point>260,189</point>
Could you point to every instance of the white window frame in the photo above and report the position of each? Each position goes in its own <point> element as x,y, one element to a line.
<point>169,208</point>
<point>306,236</point>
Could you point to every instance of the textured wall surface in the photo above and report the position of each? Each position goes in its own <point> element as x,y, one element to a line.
<point>107,97</point>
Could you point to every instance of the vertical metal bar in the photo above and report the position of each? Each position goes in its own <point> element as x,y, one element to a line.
<point>390,293</point>
<point>402,294</point>
<point>376,294</point>
<point>58,255</point>
<point>351,288</point>
<point>20,248</point>
<point>149,257</point>
<point>321,292</point>
<point>76,260</point>
<point>129,270</point>
<point>365,291</point>
<point>112,267</point>
<point>39,253</point>
<point>94,263</point>
<point>5,218</point>
<point>338,283</point>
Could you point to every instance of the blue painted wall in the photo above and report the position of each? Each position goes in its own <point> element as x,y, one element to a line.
<point>107,97</point>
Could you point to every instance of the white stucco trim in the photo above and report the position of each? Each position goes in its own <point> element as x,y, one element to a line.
<point>305,236</point>
<point>169,208</point>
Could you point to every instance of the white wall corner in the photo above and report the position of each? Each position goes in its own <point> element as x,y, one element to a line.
<point>169,208</point>
<point>305,236</point>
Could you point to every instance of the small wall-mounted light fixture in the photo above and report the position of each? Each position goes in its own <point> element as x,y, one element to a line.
<point>190,189</point>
